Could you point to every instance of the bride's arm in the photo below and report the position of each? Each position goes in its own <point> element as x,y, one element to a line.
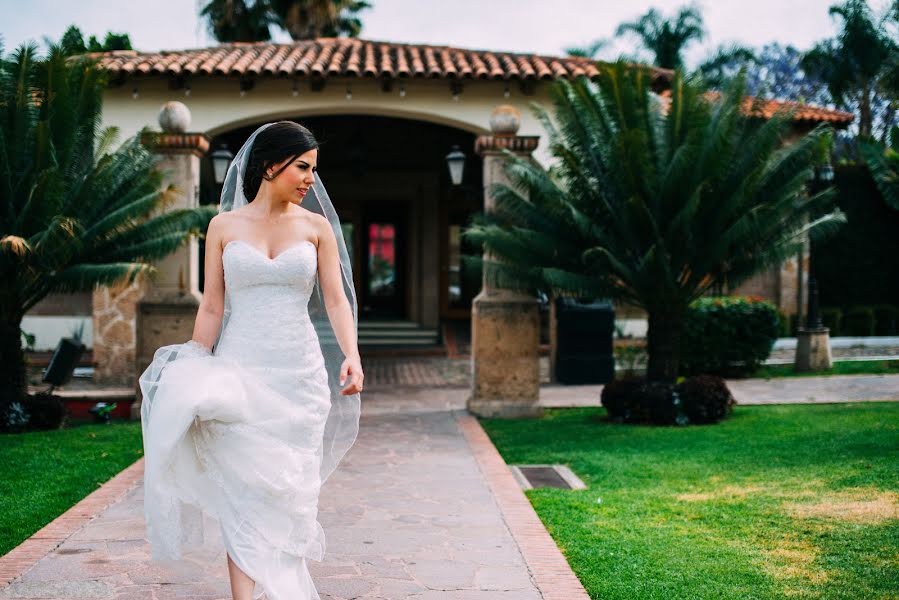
<point>337,305</point>
<point>212,306</point>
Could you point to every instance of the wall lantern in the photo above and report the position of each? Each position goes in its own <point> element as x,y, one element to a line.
<point>221,159</point>
<point>455,160</point>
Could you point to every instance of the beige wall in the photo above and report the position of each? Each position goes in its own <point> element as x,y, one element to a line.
<point>216,104</point>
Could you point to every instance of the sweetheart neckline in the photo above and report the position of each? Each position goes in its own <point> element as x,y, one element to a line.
<point>266,256</point>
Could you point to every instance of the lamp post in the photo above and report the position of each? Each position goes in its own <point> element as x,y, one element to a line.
<point>455,161</point>
<point>823,176</point>
<point>813,340</point>
<point>221,160</point>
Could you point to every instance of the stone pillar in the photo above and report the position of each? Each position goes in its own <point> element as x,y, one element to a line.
<point>505,324</point>
<point>168,309</point>
<point>813,350</point>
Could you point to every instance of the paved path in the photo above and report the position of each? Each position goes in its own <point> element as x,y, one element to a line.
<point>409,515</point>
<point>422,508</point>
<point>780,390</point>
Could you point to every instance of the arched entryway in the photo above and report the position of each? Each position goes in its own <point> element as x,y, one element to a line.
<point>388,179</point>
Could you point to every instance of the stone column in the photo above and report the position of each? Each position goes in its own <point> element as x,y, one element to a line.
<point>505,324</point>
<point>168,309</point>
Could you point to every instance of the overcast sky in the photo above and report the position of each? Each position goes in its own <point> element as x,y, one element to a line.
<point>541,26</point>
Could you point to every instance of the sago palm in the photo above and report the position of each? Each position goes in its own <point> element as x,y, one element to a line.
<point>652,203</point>
<point>76,213</point>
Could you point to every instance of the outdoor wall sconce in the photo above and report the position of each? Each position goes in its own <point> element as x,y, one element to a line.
<point>455,160</point>
<point>221,159</point>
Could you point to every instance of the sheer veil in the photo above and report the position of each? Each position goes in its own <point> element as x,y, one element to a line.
<point>342,425</point>
<point>191,393</point>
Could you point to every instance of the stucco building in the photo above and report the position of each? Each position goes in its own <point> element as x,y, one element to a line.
<point>387,115</point>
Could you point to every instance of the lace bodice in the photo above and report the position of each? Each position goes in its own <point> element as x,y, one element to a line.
<point>269,299</point>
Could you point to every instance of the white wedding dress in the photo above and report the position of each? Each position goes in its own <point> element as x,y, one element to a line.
<point>238,434</point>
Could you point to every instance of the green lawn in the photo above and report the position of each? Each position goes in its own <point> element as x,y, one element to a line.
<point>853,367</point>
<point>45,472</point>
<point>778,501</point>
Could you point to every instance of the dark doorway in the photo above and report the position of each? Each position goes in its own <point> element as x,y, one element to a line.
<point>383,237</point>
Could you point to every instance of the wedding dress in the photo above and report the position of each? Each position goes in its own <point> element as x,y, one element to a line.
<point>238,433</point>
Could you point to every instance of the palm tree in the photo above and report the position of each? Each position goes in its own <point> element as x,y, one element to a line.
<point>665,38</point>
<point>859,66</point>
<point>75,212</point>
<point>589,51</point>
<point>239,20</point>
<point>250,21</point>
<point>310,19</point>
<point>651,203</point>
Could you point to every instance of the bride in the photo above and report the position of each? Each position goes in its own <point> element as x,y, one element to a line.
<point>246,420</point>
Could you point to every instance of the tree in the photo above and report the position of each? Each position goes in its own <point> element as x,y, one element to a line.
<point>725,63</point>
<point>239,20</point>
<point>590,51</point>
<point>251,21</point>
<point>775,72</point>
<point>883,161</point>
<point>860,65</point>
<point>667,38</point>
<point>74,212</point>
<point>310,19</point>
<point>73,42</point>
<point>650,203</point>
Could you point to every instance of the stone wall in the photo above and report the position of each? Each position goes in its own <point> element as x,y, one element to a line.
<point>115,311</point>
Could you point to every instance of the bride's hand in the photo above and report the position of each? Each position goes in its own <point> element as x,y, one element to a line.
<point>352,365</point>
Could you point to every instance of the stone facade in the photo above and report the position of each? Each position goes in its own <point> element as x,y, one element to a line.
<point>114,321</point>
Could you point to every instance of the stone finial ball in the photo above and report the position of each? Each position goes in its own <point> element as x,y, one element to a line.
<point>505,120</point>
<point>174,117</point>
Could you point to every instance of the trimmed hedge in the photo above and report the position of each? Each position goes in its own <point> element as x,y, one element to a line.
<point>728,335</point>
<point>695,400</point>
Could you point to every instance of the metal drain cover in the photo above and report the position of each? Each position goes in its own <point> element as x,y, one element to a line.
<point>538,476</point>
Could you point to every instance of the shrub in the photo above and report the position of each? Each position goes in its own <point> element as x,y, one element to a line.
<point>832,317</point>
<point>859,320</point>
<point>45,410</point>
<point>705,398</point>
<point>886,319</point>
<point>618,397</point>
<point>728,335</point>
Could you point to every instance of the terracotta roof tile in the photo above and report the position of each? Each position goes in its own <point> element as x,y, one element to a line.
<point>768,108</point>
<point>331,57</point>
<point>804,112</point>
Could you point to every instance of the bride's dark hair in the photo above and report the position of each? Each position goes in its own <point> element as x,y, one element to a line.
<point>278,141</point>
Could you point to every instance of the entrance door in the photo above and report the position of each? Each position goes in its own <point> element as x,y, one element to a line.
<point>383,279</point>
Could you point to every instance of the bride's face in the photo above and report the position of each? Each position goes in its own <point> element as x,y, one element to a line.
<point>295,180</point>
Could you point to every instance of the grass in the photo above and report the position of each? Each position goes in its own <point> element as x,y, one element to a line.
<point>854,367</point>
<point>777,501</point>
<point>46,472</point>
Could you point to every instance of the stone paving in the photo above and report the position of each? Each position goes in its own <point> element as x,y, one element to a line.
<point>781,390</point>
<point>413,512</point>
<point>409,515</point>
<point>441,371</point>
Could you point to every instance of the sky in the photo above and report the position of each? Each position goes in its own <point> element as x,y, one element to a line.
<point>539,26</point>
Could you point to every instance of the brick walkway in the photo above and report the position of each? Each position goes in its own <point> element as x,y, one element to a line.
<point>424,508</point>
